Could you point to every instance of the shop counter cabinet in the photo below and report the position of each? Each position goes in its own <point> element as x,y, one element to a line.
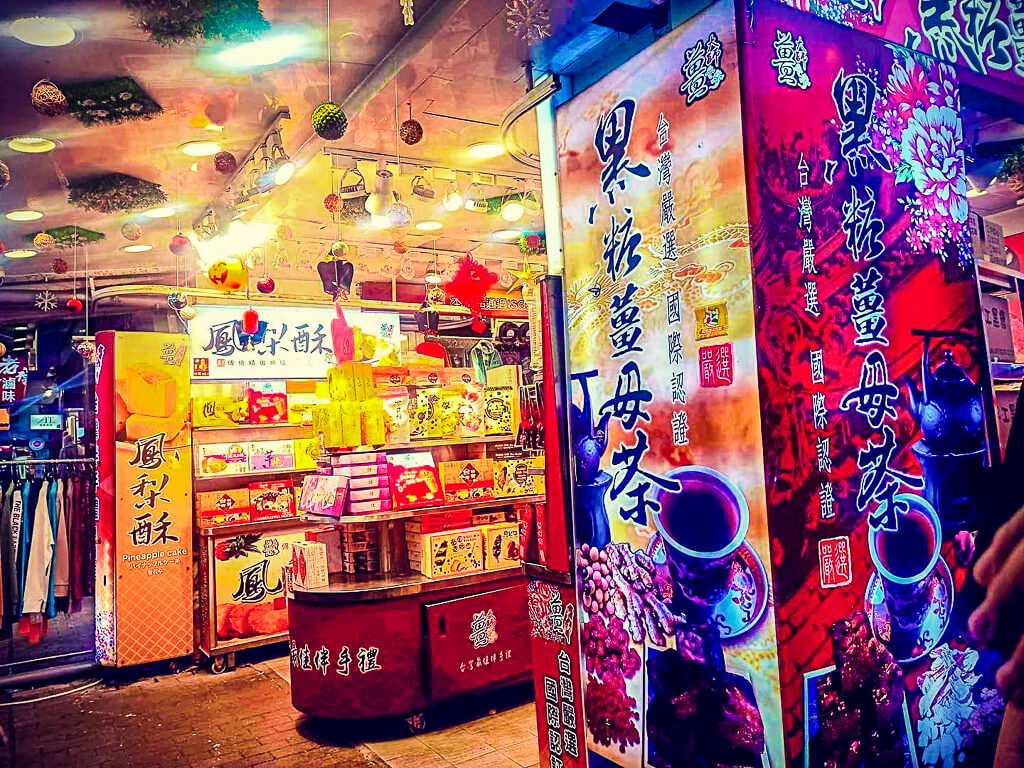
<point>395,645</point>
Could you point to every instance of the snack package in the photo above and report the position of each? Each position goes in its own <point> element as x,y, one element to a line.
<point>219,459</point>
<point>323,495</point>
<point>414,480</point>
<point>449,403</point>
<point>341,383</point>
<point>519,477</point>
<point>223,507</point>
<point>307,451</point>
<point>470,480</point>
<point>369,507</point>
<point>271,500</point>
<point>223,405</point>
<point>471,411</point>
<point>371,413</point>
<point>271,455</point>
<point>424,416</point>
<point>457,376</point>
<point>330,537</point>
<point>369,494</point>
<point>498,411</point>
<point>268,402</point>
<point>385,377</point>
<point>351,424</point>
<point>425,375</point>
<point>505,376</point>
<point>395,405</point>
<point>309,564</point>
<point>447,553</point>
<point>501,546</point>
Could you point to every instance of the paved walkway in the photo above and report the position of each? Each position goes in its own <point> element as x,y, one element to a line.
<point>244,718</point>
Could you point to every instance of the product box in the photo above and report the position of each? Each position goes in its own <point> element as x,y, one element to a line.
<point>454,376</point>
<point>369,507</point>
<point>387,377</point>
<point>489,518</point>
<point>271,455</point>
<point>221,459</point>
<point>341,383</point>
<point>505,376</point>
<point>300,407</point>
<point>396,406</point>
<point>360,562</point>
<point>440,521</point>
<point>371,415</point>
<point>323,495</point>
<point>447,410</point>
<point>268,402</point>
<point>330,537</point>
<point>469,480</point>
<point>471,411</point>
<point>223,507</point>
<point>501,546</point>
<point>414,480</point>
<point>363,540</point>
<point>519,477</point>
<point>369,494</point>
<point>361,470</point>
<point>307,451</point>
<point>446,553</point>
<point>271,500</point>
<point>309,564</point>
<point>351,424</point>
<point>227,407</point>
<point>498,411</point>
<point>364,457</point>
<point>425,375</point>
<point>370,481</point>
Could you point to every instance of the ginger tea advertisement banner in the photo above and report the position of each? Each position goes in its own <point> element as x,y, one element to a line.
<point>871,367</point>
<point>144,526</point>
<point>672,550</point>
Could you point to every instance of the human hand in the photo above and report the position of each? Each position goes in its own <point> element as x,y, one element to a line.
<point>997,622</point>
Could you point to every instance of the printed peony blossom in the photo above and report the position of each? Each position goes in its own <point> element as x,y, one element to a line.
<point>931,146</point>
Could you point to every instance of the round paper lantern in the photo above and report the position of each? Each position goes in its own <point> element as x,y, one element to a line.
<point>329,121</point>
<point>5,175</point>
<point>44,241</point>
<point>48,99</point>
<point>217,111</point>
<point>266,284</point>
<point>332,203</point>
<point>177,301</point>
<point>3,349</point>
<point>338,250</point>
<point>284,232</point>
<point>400,215</point>
<point>250,321</point>
<point>228,274</point>
<point>75,305</point>
<point>59,266</point>
<point>180,245</point>
<point>188,312</point>
<point>410,131</point>
<point>87,350</point>
<point>131,232</point>
<point>225,163</point>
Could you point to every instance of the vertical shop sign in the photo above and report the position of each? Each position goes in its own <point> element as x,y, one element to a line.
<point>866,299</point>
<point>672,556</point>
<point>13,380</point>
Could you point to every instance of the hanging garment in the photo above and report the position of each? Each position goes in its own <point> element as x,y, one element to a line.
<point>71,514</point>
<point>27,496</point>
<point>10,530</point>
<point>57,600</point>
<point>39,566</point>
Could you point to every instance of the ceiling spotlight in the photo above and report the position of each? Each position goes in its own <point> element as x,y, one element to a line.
<point>137,248</point>
<point>280,163</point>
<point>512,208</point>
<point>44,31</point>
<point>377,202</point>
<point>486,150</point>
<point>428,225</point>
<point>506,234</point>
<point>452,200</point>
<point>19,253</point>
<point>23,215</point>
<point>200,148</point>
<point>264,52</point>
<point>433,277</point>
<point>31,145</point>
<point>160,212</point>
<point>284,170</point>
<point>474,199</point>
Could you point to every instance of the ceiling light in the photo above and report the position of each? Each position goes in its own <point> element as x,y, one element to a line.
<point>378,201</point>
<point>284,172</point>
<point>474,200</point>
<point>213,127</point>
<point>506,234</point>
<point>486,150</point>
<point>43,31</point>
<point>19,253</point>
<point>32,145</point>
<point>161,212</point>
<point>452,199</point>
<point>264,52</point>
<point>137,248</point>
<point>200,148</point>
<point>432,277</point>
<point>23,215</point>
<point>428,225</point>
<point>512,208</point>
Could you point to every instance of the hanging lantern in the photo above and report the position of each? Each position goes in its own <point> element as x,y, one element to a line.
<point>5,175</point>
<point>75,304</point>
<point>180,245</point>
<point>58,266</point>
<point>44,241</point>
<point>435,294</point>
<point>87,350</point>
<point>399,247</point>
<point>48,99</point>
<point>188,312</point>
<point>332,203</point>
<point>399,214</point>
<point>217,111</point>
<point>131,232</point>
<point>284,232</point>
<point>250,321</point>
<point>3,349</point>
<point>266,284</point>
<point>228,274</point>
<point>410,131</point>
<point>224,163</point>
<point>329,121</point>
<point>338,250</point>
<point>177,301</point>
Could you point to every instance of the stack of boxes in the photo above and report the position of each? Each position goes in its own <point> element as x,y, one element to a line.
<point>359,545</point>
<point>355,415</point>
<point>460,542</point>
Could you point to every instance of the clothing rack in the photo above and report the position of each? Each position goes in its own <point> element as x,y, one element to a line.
<point>16,462</point>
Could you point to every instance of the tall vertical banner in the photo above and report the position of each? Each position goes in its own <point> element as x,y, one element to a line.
<point>673,557</point>
<point>870,358</point>
<point>144,514</point>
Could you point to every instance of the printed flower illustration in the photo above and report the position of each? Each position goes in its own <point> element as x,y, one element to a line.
<point>931,147</point>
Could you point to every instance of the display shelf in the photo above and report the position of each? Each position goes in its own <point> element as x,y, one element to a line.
<point>990,268</point>
<point>357,588</point>
<point>262,526</point>
<point>380,517</point>
<point>538,571</point>
<point>1007,371</point>
<point>251,432</point>
<point>223,482</point>
<point>447,442</point>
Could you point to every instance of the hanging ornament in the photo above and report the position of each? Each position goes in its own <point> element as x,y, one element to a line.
<point>332,203</point>
<point>387,269</point>
<point>505,279</point>
<point>131,232</point>
<point>224,163</point>
<point>48,99</point>
<point>180,245</point>
<point>399,247</point>
<point>217,111</point>
<point>524,277</point>
<point>177,301</point>
<point>266,284</point>
<point>407,270</point>
<point>3,349</point>
<point>338,250</point>
<point>250,321</point>
<point>228,274</point>
<point>399,214</point>
<point>408,20</point>
<point>280,259</point>
<point>44,241</point>
<point>284,232</point>
<point>58,266</point>
<point>75,304</point>
<point>329,121</point>
<point>5,175</point>
<point>46,301</point>
<point>435,295</point>
<point>187,313</point>
<point>529,20</point>
<point>87,350</point>
<point>336,278</point>
<point>410,131</point>
<point>470,284</point>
